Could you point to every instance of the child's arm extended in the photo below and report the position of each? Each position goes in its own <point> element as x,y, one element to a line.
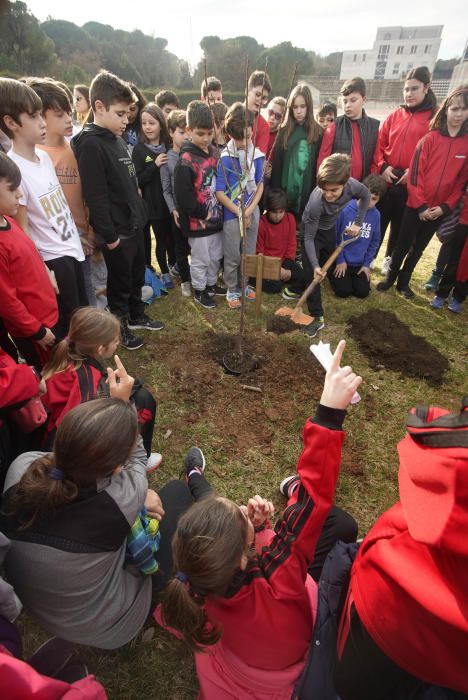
<point>360,192</point>
<point>290,553</point>
<point>310,223</point>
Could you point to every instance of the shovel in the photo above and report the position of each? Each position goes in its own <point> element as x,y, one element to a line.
<point>296,314</point>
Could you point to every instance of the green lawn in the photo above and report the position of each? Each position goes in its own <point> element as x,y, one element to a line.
<point>154,665</point>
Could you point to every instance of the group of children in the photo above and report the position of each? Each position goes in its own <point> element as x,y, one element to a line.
<point>203,181</point>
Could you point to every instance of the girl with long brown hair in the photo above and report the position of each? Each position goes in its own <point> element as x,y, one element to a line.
<point>296,151</point>
<point>75,374</point>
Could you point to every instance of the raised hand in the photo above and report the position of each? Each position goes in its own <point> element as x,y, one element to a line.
<point>119,381</point>
<point>340,382</point>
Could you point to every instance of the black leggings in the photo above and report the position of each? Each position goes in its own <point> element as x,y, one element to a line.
<point>412,242</point>
<point>392,208</point>
<point>176,497</point>
<point>165,247</point>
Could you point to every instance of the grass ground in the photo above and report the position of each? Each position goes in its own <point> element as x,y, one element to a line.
<point>252,440</point>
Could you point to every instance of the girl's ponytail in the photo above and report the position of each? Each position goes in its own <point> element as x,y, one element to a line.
<point>42,487</point>
<point>183,610</point>
<point>59,359</point>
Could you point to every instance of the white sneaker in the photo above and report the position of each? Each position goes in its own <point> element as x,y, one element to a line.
<point>385,266</point>
<point>186,289</point>
<point>154,460</point>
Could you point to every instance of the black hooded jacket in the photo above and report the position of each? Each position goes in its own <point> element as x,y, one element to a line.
<point>109,184</point>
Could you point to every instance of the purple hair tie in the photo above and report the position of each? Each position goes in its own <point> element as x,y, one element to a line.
<point>56,474</point>
<point>67,339</point>
<point>180,576</point>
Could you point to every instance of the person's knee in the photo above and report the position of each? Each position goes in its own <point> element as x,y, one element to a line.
<point>361,293</point>
<point>345,526</point>
<point>341,292</point>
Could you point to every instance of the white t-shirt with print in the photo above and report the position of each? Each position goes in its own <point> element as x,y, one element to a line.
<point>51,224</point>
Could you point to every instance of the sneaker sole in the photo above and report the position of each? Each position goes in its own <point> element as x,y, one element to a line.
<point>149,470</point>
<point>283,484</point>
<point>197,301</point>
<point>135,347</point>
<point>285,296</point>
<point>144,328</point>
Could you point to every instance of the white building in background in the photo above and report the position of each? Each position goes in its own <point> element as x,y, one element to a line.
<point>396,50</point>
<point>460,72</point>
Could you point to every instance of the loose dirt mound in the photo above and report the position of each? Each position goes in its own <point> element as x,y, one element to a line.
<point>386,341</point>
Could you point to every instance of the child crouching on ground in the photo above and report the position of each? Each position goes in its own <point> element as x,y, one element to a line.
<point>335,188</point>
<point>352,272</point>
<point>277,239</point>
<point>240,169</point>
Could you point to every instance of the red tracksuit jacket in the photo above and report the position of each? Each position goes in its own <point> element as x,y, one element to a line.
<point>438,171</point>
<point>266,617</point>
<point>410,577</point>
<point>27,299</point>
<point>398,137</point>
<point>17,382</point>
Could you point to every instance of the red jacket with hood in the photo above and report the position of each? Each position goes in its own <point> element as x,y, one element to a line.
<point>438,171</point>
<point>409,581</point>
<point>399,135</point>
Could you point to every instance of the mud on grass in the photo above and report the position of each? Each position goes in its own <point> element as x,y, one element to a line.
<point>390,344</point>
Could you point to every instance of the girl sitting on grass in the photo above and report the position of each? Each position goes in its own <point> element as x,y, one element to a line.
<point>75,374</point>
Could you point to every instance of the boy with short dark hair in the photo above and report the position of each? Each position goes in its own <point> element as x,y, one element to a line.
<point>57,113</point>
<point>353,132</point>
<point>43,212</point>
<point>219,111</point>
<point>117,212</point>
<point>167,101</point>
<point>177,126</point>
<point>258,91</point>
<point>240,168</point>
<point>211,90</point>
<point>352,272</point>
<point>28,305</point>
<point>327,114</point>
<point>335,188</point>
<point>199,212</point>
<point>277,239</point>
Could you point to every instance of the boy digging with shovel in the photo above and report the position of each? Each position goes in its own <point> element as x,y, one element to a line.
<point>335,188</point>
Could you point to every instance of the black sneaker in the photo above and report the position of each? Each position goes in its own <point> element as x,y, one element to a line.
<point>203,298</point>
<point>215,290</point>
<point>145,323</point>
<point>194,462</point>
<point>127,339</point>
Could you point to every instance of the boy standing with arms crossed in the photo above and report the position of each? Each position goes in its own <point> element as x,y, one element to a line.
<point>44,213</point>
<point>199,212</point>
<point>116,210</point>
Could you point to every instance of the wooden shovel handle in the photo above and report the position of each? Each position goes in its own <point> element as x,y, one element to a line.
<point>315,282</point>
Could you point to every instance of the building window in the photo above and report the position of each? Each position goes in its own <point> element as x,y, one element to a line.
<point>396,68</point>
<point>400,49</point>
<point>414,48</point>
<point>428,48</point>
<point>355,58</point>
<point>387,36</point>
<point>383,51</point>
<point>363,57</point>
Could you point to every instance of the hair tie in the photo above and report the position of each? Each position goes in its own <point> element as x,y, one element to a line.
<point>67,339</point>
<point>180,576</point>
<point>56,474</point>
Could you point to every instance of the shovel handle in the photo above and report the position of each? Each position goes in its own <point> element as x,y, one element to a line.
<point>315,282</point>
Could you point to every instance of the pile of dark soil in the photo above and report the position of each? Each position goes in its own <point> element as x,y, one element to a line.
<point>388,342</point>
<point>282,324</point>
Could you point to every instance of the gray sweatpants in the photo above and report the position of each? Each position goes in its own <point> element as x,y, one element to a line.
<point>231,248</point>
<point>206,253</point>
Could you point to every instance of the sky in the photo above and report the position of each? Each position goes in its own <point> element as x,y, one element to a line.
<point>336,26</point>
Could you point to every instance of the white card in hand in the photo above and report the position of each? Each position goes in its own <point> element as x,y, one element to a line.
<point>324,355</point>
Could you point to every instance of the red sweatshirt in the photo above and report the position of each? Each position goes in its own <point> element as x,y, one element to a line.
<point>398,137</point>
<point>27,299</point>
<point>277,240</point>
<point>438,171</point>
<point>17,382</point>
<point>261,133</point>
<point>410,577</point>
<point>326,149</point>
<point>70,388</point>
<point>266,616</point>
